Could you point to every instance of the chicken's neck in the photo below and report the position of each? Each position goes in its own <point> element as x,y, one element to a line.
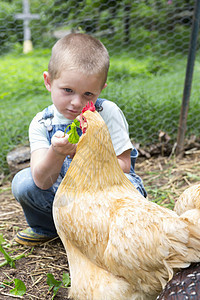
<point>94,168</point>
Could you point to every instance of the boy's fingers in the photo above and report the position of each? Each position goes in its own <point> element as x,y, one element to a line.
<point>59,133</point>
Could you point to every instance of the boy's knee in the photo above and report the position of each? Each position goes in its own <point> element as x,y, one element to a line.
<point>21,183</point>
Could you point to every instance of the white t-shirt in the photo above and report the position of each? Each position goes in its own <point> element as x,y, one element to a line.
<point>112,115</point>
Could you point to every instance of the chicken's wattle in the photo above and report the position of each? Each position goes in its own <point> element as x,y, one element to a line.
<point>83,124</point>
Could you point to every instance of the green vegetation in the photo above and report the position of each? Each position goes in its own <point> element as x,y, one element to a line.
<point>22,95</point>
<point>147,41</point>
<point>9,259</point>
<point>132,84</point>
<point>73,134</point>
<point>150,91</point>
<point>55,285</point>
<point>19,286</point>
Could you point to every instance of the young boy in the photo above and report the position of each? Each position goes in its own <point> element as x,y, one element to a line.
<point>77,73</point>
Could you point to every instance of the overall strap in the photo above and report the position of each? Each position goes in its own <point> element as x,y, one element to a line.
<point>48,112</point>
<point>98,104</point>
<point>47,116</point>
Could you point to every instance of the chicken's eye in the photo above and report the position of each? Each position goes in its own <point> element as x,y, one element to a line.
<point>83,118</point>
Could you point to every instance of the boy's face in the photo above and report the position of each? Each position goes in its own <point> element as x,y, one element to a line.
<point>72,91</point>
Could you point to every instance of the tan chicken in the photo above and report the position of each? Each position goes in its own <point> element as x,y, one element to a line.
<point>120,246</point>
<point>188,204</point>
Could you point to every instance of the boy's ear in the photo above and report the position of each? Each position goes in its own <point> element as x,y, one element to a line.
<point>105,85</point>
<point>47,81</point>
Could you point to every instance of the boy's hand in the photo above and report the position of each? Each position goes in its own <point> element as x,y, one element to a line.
<point>61,145</point>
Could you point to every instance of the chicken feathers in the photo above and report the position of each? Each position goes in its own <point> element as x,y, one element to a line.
<point>188,204</point>
<point>119,245</point>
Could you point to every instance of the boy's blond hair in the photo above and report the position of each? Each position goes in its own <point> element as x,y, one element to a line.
<point>78,51</point>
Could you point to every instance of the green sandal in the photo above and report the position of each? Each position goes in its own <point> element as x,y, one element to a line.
<point>30,238</point>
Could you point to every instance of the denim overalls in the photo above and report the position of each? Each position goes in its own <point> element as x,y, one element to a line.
<point>37,203</point>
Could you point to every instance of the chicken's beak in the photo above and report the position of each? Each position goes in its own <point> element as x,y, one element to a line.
<point>83,123</point>
<point>83,127</point>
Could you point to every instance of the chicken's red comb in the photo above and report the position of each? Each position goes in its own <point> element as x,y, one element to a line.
<point>89,106</point>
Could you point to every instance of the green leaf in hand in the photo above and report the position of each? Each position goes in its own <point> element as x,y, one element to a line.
<point>20,288</point>
<point>76,122</point>
<point>73,135</point>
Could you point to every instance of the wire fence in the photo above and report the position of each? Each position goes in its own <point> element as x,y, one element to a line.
<point>148,42</point>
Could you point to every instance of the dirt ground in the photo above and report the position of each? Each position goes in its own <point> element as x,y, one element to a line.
<point>164,178</point>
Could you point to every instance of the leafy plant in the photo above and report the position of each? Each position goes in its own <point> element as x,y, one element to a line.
<point>66,280</point>
<point>20,288</point>
<point>73,135</point>
<point>57,284</point>
<point>8,259</point>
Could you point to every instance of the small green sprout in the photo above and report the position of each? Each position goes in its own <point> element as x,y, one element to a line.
<point>20,288</point>
<point>73,135</point>
<point>55,285</point>
<point>8,259</point>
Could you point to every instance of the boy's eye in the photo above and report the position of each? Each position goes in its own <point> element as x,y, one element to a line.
<point>68,90</point>
<point>88,94</point>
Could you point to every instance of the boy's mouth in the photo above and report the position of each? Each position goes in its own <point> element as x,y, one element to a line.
<point>75,112</point>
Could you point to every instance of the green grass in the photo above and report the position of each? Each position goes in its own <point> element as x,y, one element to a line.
<point>22,95</point>
<point>152,101</point>
<point>148,90</point>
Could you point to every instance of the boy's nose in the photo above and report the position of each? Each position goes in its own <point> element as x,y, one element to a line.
<point>76,100</point>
